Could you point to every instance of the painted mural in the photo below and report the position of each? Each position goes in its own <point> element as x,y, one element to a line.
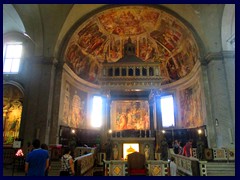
<point>191,107</point>
<point>74,107</point>
<point>130,115</point>
<point>157,35</point>
<point>12,113</point>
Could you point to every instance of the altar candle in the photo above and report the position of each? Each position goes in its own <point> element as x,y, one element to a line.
<point>230,135</point>
<point>205,132</point>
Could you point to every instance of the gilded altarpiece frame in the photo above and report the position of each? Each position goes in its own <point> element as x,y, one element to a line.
<point>130,114</point>
<point>12,112</point>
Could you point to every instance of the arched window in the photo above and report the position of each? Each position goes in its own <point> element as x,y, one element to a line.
<point>11,57</point>
<point>97,109</point>
<point>137,71</point>
<point>110,72</point>
<point>167,111</point>
<point>151,71</point>
<point>117,72</point>
<point>124,72</point>
<point>130,72</point>
<point>144,71</point>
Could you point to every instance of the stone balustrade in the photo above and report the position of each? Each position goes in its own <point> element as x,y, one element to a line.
<point>84,165</point>
<point>218,158</point>
<point>79,151</point>
<point>119,168</point>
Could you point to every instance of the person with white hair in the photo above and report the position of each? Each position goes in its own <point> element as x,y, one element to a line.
<point>173,167</point>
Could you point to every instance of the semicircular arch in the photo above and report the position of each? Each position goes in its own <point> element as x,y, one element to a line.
<point>158,33</point>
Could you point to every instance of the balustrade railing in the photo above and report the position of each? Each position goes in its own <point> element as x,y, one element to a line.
<point>189,166</point>
<point>119,168</point>
<point>194,167</point>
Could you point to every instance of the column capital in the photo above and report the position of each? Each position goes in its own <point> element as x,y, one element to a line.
<point>228,54</point>
<point>213,56</point>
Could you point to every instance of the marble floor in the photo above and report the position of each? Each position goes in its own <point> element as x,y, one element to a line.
<point>9,171</point>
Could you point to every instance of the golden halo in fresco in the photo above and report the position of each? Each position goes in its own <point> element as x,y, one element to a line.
<point>158,37</point>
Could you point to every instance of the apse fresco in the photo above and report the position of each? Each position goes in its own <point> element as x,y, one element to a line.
<point>74,107</point>
<point>130,115</point>
<point>157,35</point>
<point>191,107</point>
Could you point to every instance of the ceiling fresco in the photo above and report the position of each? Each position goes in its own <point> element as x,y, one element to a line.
<point>157,35</point>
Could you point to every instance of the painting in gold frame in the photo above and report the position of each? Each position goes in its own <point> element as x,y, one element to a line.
<point>130,114</point>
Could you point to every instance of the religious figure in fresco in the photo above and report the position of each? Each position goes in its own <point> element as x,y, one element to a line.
<point>12,120</point>
<point>74,113</point>
<point>118,119</point>
<point>157,36</point>
<point>172,70</point>
<point>93,71</point>
<point>123,121</point>
<point>190,101</point>
<point>72,52</point>
<point>130,122</point>
<point>146,121</point>
<point>66,107</point>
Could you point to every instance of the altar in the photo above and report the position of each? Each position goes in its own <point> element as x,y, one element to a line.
<point>129,141</point>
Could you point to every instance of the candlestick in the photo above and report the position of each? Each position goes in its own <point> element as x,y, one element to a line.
<point>205,132</point>
<point>230,135</point>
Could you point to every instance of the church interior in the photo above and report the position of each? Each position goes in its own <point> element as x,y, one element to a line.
<point>111,80</point>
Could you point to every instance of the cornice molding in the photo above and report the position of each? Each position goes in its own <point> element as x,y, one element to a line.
<point>219,56</point>
<point>213,56</point>
<point>79,80</point>
<point>42,60</point>
<point>228,54</point>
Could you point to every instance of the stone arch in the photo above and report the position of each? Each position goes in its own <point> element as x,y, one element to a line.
<point>69,36</point>
<point>28,43</point>
<point>228,28</point>
<point>17,24</point>
<point>24,25</point>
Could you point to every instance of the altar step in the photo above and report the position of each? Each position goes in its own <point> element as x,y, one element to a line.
<point>220,169</point>
<point>55,168</point>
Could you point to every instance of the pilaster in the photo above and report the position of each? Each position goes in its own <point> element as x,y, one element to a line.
<point>220,120</point>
